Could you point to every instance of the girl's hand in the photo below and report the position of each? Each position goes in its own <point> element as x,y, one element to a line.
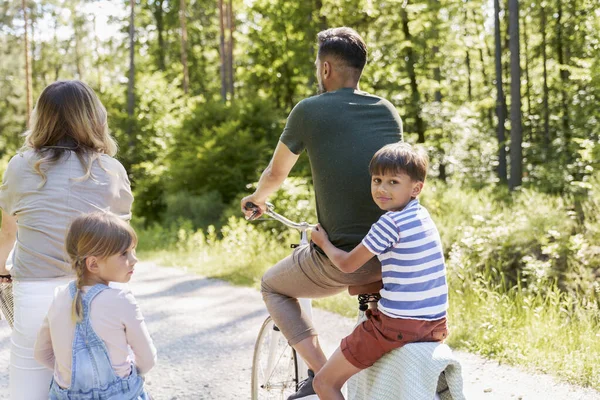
<point>319,236</point>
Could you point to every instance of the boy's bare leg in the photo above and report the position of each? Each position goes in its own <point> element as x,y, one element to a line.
<point>330,379</point>
<point>311,352</point>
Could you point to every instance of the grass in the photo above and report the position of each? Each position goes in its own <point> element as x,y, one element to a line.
<point>550,333</point>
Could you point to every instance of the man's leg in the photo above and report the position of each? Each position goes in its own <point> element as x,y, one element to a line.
<point>296,277</point>
<point>307,274</point>
<point>330,379</point>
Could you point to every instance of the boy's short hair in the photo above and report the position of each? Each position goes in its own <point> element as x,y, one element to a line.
<point>398,158</point>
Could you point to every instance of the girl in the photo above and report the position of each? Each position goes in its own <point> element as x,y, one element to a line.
<point>90,328</point>
<point>65,168</point>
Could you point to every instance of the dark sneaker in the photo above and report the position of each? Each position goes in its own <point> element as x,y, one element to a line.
<point>305,389</point>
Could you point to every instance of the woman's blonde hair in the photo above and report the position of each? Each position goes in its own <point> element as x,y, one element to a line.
<point>97,234</point>
<point>68,116</point>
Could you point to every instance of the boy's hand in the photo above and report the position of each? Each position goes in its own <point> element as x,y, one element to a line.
<point>319,236</point>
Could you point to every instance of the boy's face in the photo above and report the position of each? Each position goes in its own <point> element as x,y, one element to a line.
<point>392,192</point>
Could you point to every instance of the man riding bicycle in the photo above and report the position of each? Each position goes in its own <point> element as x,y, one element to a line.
<point>341,129</point>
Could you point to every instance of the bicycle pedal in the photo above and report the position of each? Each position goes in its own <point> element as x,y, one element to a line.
<point>294,245</point>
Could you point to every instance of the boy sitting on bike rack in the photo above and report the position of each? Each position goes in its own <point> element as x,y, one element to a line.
<point>414,298</point>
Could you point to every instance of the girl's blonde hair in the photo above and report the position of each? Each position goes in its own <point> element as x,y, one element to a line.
<point>69,116</point>
<point>97,234</point>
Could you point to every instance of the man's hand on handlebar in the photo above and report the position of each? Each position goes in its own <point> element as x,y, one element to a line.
<point>251,212</point>
<point>319,236</point>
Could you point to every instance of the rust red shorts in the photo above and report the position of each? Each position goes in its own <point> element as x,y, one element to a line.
<point>380,334</point>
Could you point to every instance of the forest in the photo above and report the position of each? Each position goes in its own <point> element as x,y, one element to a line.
<point>503,95</point>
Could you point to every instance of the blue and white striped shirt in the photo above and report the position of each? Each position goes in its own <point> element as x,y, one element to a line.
<point>412,260</point>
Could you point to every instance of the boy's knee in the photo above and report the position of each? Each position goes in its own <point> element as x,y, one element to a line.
<point>321,384</point>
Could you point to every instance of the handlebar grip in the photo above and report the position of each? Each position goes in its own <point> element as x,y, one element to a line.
<point>250,206</point>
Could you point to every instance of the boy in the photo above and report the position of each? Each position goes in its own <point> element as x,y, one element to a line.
<point>414,298</point>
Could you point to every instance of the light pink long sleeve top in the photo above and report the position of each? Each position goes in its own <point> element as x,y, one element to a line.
<point>115,317</point>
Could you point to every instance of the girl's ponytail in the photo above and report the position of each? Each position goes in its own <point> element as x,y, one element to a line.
<point>77,309</point>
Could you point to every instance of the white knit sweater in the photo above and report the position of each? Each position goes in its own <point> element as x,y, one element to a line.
<point>413,372</point>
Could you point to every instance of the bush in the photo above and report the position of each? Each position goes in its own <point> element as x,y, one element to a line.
<point>201,211</point>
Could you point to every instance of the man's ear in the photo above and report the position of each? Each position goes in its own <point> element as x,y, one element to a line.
<point>417,187</point>
<point>91,264</point>
<point>326,69</point>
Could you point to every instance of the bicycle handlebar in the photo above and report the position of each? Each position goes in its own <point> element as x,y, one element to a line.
<point>301,226</point>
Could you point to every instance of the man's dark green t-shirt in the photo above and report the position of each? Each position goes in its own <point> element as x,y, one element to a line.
<point>341,131</point>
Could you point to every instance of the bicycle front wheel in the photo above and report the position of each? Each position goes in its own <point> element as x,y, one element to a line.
<point>274,366</point>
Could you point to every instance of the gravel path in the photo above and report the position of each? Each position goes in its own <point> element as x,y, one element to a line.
<point>205,329</point>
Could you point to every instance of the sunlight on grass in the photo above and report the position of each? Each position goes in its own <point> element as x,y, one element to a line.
<point>547,334</point>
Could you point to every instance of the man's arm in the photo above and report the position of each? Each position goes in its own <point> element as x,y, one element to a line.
<point>8,235</point>
<point>272,177</point>
<point>344,261</point>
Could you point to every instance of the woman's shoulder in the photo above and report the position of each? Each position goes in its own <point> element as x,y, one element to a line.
<point>111,162</point>
<point>20,160</point>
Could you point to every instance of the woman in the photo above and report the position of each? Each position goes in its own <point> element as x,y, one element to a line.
<point>66,168</point>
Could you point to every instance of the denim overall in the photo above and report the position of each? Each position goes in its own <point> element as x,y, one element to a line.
<point>92,376</point>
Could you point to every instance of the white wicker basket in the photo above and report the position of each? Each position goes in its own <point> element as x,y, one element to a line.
<point>6,303</point>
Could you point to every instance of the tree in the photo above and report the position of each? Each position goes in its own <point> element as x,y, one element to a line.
<point>184,60</point>
<point>516,133</point>
<point>410,67</point>
<point>222,51</point>
<point>131,82</point>
<point>27,61</point>
<point>500,100</point>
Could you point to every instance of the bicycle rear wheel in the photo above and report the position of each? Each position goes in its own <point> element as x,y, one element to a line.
<point>274,366</point>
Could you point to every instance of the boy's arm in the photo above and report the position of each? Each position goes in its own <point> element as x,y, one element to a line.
<point>43,351</point>
<point>344,261</point>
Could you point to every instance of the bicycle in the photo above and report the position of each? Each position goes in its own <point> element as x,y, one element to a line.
<point>277,369</point>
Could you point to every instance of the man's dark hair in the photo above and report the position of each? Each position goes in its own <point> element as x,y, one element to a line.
<point>398,158</point>
<point>344,44</point>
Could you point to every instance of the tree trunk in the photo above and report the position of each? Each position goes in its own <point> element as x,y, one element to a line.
<point>410,67</point>
<point>231,29</point>
<point>28,94</point>
<point>437,75</point>
<point>500,100</point>
<point>77,37</point>
<point>222,52</point>
<point>468,61</point>
<point>516,134</point>
<point>484,75</point>
<point>528,86</point>
<point>546,91</point>
<point>97,51</point>
<point>32,43</point>
<point>322,25</point>
<point>184,60</point>
<point>160,28</point>
<point>131,83</point>
<point>55,43</point>
<point>564,78</point>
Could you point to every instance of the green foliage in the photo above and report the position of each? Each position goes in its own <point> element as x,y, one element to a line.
<point>202,211</point>
<point>551,332</point>
<point>222,146</point>
<point>527,240</point>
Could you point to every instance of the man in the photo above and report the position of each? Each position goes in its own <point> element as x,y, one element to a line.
<point>340,129</point>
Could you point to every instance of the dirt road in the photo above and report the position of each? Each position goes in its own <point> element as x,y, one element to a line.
<point>205,329</point>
